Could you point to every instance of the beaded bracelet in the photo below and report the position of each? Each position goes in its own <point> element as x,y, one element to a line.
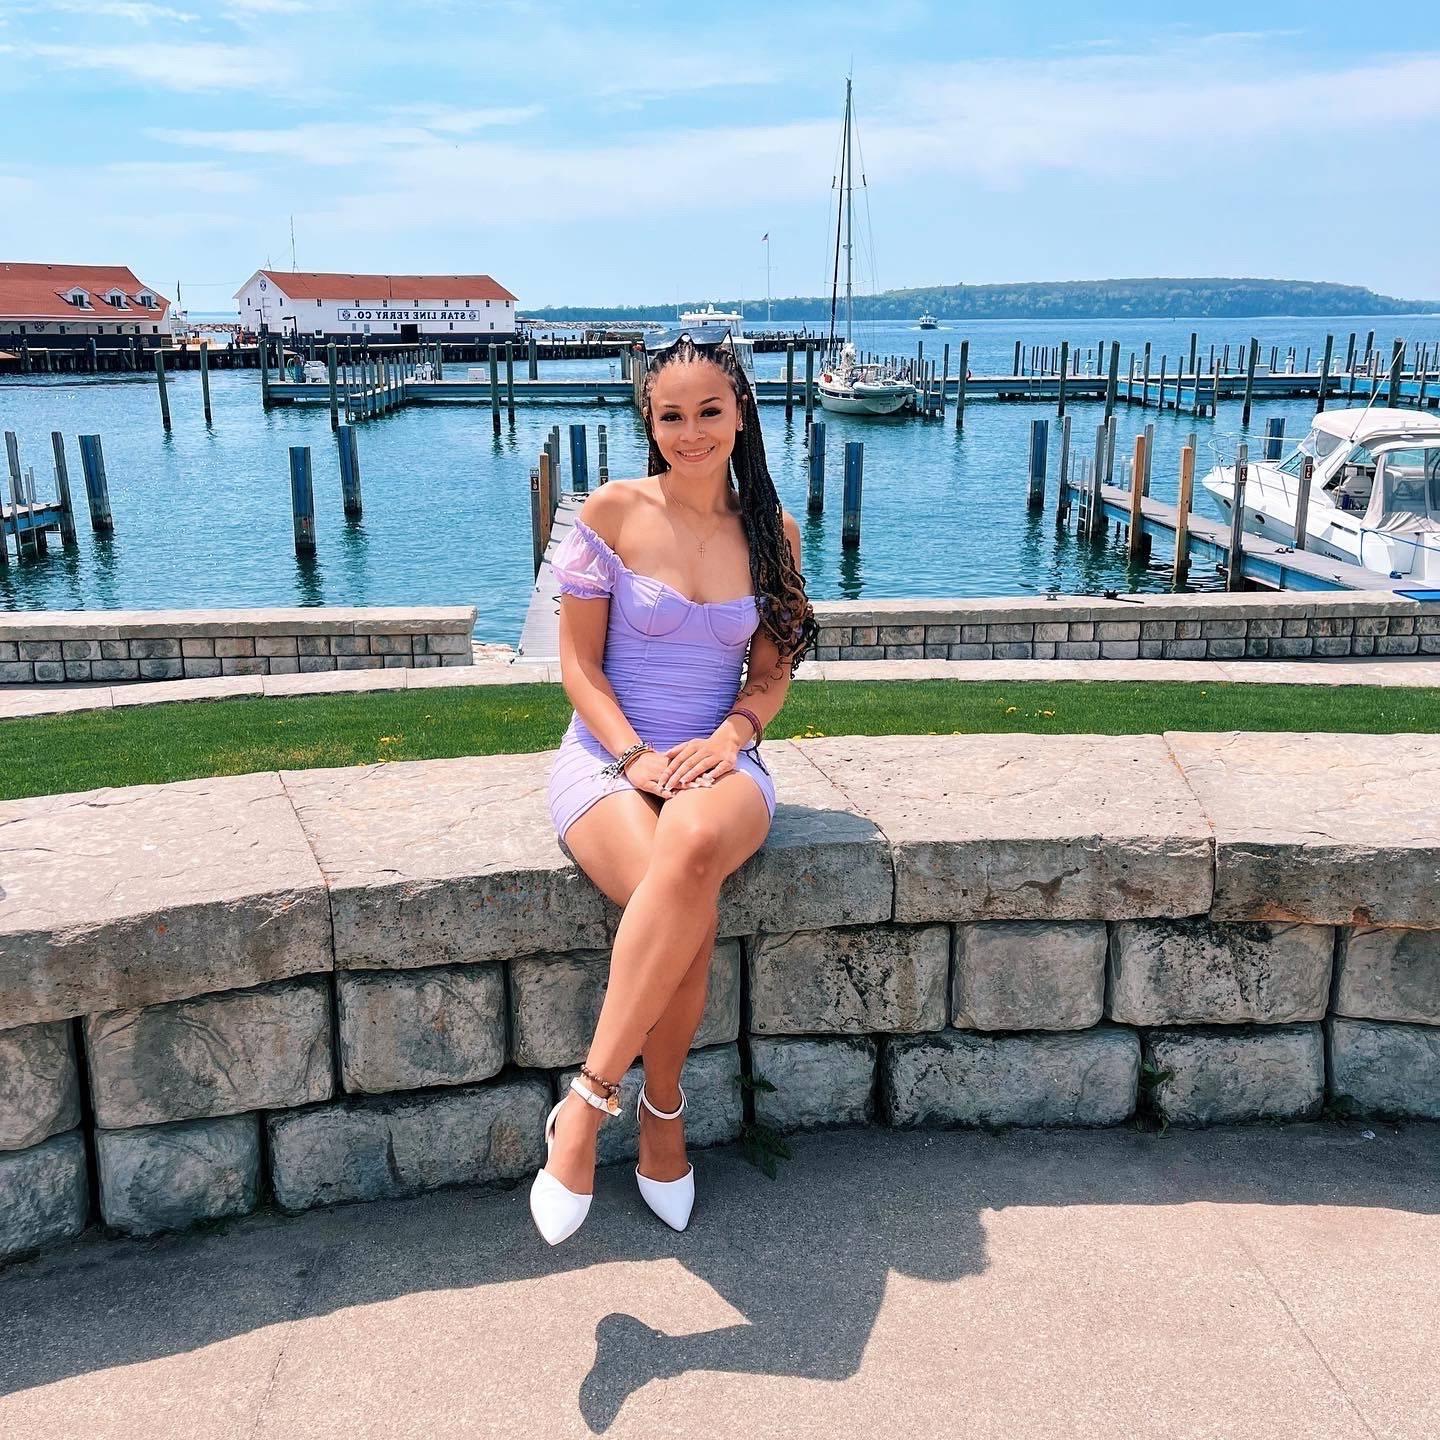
<point>617,766</point>
<point>754,720</point>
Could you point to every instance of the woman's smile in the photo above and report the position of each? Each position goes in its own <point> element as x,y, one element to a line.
<point>695,454</point>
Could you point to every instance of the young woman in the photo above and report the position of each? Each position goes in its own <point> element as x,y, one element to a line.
<point>658,790</point>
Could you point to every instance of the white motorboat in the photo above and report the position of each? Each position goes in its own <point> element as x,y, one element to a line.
<point>1374,491</point>
<point>711,316</point>
<point>846,385</point>
<point>928,322</point>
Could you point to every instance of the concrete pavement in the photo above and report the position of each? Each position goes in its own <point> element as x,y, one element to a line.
<point>1232,1283</point>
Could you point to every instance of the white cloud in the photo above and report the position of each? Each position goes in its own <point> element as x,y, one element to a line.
<point>188,67</point>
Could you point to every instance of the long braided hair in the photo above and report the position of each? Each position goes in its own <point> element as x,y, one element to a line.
<point>786,613</point>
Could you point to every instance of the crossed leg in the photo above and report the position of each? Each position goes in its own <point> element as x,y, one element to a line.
<point>664,861</point>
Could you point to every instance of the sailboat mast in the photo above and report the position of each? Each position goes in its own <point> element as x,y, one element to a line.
<point>849,188</point>
<point>839,214</point>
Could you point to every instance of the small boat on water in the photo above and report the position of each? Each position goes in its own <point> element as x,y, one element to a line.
<point>848,386</point>
<point>928,322</point>
<point>711,316</point>
<point>1374,491</point>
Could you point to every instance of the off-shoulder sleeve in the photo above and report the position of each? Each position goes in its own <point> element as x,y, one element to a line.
<point>583,565</point>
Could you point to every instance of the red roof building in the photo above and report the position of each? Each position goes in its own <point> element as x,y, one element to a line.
<point>61,304</point>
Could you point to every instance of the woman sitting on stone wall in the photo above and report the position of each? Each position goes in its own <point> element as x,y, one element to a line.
<point>658,790</point>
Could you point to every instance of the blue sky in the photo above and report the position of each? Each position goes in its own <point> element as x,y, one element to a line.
<point>617,153</point>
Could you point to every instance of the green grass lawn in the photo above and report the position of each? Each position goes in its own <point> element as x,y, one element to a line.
<point>52,754</point>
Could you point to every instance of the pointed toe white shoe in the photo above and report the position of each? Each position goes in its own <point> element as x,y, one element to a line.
<point>558,1211</point>
<point>671,1200</point>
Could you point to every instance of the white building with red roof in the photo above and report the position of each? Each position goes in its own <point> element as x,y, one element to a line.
<point>334,306</point>
<point>66,306</point>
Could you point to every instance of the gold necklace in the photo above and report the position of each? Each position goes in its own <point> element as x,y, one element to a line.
<point>679,506</point>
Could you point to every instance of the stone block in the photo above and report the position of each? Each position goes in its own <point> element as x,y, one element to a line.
<point>34,650</point>
<point>1009,633</point>
<point>381,1149</point>
<point>1157,629</point>
<point>1384,974</point>
<point>277,645</point>
<point>313,645</point>
<point>1119,649</point>
<point>1028,975</point>
<point>115,670</point>
<point>234,646</point>
<point>259,1049</point>
<point>1052,630</point>
<point>90,649</point>
<point>1327,625</point>
<point>39,1085</point>
<point>123,897</point>
<point>313,664</point>
<point>162,669</point>
<point>245,665</point>
<point>555,1000</point>
<point>48,671</point>
<point>446,645</point>
<point>1397,645</point>
<point>974,634</point>
<point>1077,649</point>
<point>44,1194</point>
<point>942,634</point>
<point>1220,1076</point>
<point>818,1081</point>
<point>167,1177</point>
<point>969,651</point>
<point>1183,649</point>
<point>155,649</point>
<point>862,652</point>
<point>1222,629</point>
<point>1195,972</point>
<point>283,664</point>
<point>1263,629</point>
<point>849,981</point>
<point>1081,630</point>
<point>865,635</point>
<point>905,652</point>
<point>1087,1077</point>
<point>349,644</point>
<point>1295,629</point>
<point>418,1028</point>
<point>197,647</point>
<point>714,1106</point>
<point>200,669</point>
<point>74,670</point>
<point>1379,1068</point>
<point>902,634</point>
<point>1014,650</point>
<point>1027,827</point>
<point>1322,828</point>
<point>359,662</point>
<point>1330,645</point>
<point>390,645</point>
<point>1152,649</point>
<point>1117,630</point>
<point>1400,625</point>
<point>1229,649</point>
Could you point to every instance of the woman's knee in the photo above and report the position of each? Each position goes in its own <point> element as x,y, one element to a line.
<point>689,849</point>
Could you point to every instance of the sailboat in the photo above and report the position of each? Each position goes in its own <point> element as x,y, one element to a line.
<point>846,385</point>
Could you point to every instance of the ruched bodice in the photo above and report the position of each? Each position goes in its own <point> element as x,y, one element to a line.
<point>673,663</point>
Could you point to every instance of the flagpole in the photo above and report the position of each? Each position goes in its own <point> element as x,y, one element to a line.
<point>767,278</point>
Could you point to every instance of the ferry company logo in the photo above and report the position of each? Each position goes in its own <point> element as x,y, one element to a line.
<point>407,317</point>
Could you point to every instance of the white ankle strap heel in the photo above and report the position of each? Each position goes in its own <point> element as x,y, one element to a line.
<point>671,1200</point>
<point>558,1212</point>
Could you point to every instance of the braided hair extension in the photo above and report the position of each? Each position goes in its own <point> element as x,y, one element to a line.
<point>786,613</point>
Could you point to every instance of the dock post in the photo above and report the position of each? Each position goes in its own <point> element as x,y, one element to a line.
<point>1039,454</point>
<point>579,461</point>
<point>1252,355</point>
<point>1137,497</point>
<point>961,376</point>
<point>440,359</point>
<point>1015,363</point>
<point>1234,561</point>
<point>1149,455</point>
<point>494,388</point>
<point>533,368</point>
<point>537,545</point>
<point>1181,567</point>
<point>25,544</point>
<point>1424,368</point>
<point>1064,371</point>
<point>602,455</point>
<point>944,381</point>
<point>62,489</point>
<point>1397,363</point>
<point>1164,359</point>
<point>205,380</point>
<point>1274,437</point>
<point>1325,369</point>
<point>262,359</point>
<point>302,499</point>
<point>854,481</point>
<point>1302,500</point>
<point>789,381</point>
<point>349,470</point>
<point>164,393</point>
<point>815,499</point>
<point>548,498</point>
<point>1145,380</point>
<point>1062,492</point>
<point>97,489</point>
<point>809,385</point>
<point>1095,526</point>
<point>331,366</point>
<point>1112,382</point>
<point>510,382</point>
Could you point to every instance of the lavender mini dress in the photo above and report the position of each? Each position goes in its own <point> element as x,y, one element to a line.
<point>673,663</point>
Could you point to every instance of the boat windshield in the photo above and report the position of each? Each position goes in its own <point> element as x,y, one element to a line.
<point>1353,480</point>
<point>1319,443</point>
<point>1411,481</point>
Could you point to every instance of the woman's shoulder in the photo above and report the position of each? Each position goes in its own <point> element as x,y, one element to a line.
<point>605,509</point>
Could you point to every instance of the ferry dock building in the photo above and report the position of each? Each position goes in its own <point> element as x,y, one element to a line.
<point>51,315</point>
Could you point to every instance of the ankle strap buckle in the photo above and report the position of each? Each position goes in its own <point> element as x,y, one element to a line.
<point>609,1103</point>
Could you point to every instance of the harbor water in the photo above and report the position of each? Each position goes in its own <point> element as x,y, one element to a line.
<point>202,515</point>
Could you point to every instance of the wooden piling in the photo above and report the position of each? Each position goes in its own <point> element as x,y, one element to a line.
<point>809,385</point>
<point>1302,500</point>
<point>815,498</point>
<point>854,484</point>
<point>332,370</point>
<point>1325,370</point>
<point>349,471</point>
<point>961,376</point>
<point>1095,514</point>
<point>602,455</point>
<point>944,381</point>
<point>1237,522</point>
<point>510,384</point>
<point>533,368</point>
<point>537,544</point>
<point>164,393</point>
<point>1397,363</point>
<point>789,381</point>
<point>1149,455</point>
<point>97,489</point>
<point>1251,357</point>
<point>1112,381</point>
<point>1164,359</point>
<point>302,499</point>
<point>1181,568</point>
<point>494,388</point>
<point>579,461</point>
<point>548,498</point>
<point>25,543</point>
<point>205,381</point>
<point>1064,372</point>
<point>1062,490</point>
<point>1274,437</point>
<point>1039,453</point>
<point>1145,379</point>
<point>1137,495</point>
<point>62,489</point>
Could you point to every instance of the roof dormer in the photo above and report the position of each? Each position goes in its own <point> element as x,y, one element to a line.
<point>146,298</point>
<point>115,297</point>
<point>78,297</point>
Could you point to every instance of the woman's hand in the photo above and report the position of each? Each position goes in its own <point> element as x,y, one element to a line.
<point>647,771</point>
<point>701,761</point>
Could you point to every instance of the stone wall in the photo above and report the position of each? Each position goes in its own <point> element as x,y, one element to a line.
<point>308,987</point>
<point>1285,625</point>
<point>107,645</point>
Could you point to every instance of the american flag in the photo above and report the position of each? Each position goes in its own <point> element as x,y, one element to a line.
<point>764,237</point>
